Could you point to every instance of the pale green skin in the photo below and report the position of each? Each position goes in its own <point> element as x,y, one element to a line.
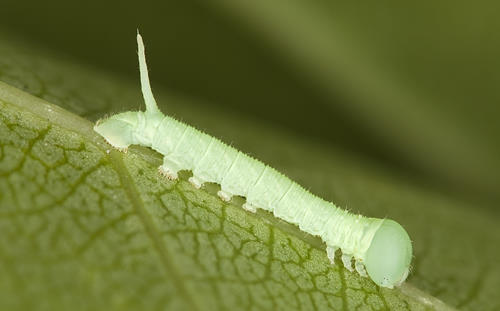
<point>382,246</point>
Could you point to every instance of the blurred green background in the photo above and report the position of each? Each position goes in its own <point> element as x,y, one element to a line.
<point>410,86</point>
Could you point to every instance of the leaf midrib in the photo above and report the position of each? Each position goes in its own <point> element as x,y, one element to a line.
<point>151,230</point>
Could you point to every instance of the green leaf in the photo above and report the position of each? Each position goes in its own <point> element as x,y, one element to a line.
<point>83,226</point>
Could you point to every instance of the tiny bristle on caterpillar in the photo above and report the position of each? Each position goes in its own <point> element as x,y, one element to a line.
<point>381,248</point>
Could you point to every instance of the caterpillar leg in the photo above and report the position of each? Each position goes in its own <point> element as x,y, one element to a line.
<point>169,169</point>
<point>196,182</point>
<point>124,150</point>
<point>330,253</point>
<point>347,261</point>
<point>249,207</point>
<point>360,268</point>
<point>225,196</point>
<point>170,174</point>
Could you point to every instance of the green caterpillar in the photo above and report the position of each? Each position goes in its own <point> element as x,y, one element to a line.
<point>381,248</point>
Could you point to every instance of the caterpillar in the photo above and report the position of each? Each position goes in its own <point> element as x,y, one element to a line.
<point>381,248</point>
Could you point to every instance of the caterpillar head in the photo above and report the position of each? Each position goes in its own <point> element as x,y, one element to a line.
<point>389,255</point>
<point>118,130</point>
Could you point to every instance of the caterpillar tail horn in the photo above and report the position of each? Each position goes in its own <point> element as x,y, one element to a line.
<point>147,94</point>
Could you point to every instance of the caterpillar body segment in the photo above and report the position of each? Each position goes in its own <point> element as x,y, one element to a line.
<point>381,248</point>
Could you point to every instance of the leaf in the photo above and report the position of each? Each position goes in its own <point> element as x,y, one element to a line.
<point>86,227</point>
